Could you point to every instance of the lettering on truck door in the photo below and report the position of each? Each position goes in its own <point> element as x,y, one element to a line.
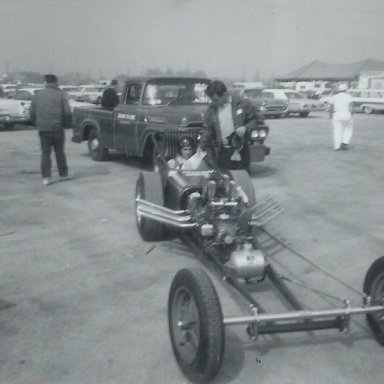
<point>126,120</point>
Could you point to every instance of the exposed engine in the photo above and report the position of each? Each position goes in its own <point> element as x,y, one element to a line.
<point>221,211</point>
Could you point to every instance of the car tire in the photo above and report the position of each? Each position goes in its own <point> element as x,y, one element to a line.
<point>149,187</point>
<point>368,110</point>
<point>374,288</point>
<point>304,114</point>
<point>196,325</point>
<point>242,178</point>
<point>150,156</point>
<point>97,153</point>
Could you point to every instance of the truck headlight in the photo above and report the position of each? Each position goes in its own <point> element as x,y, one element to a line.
<point>254,134</point>
<point>262,133</point>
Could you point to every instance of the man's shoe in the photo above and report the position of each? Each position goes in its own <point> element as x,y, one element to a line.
<point>70,176</point>
<point>344,146</point>
<point>47,181</point>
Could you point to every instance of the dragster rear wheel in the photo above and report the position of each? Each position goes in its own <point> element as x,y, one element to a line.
<point>149,187</point>
<point>374,287</point>
<point>196,325</point>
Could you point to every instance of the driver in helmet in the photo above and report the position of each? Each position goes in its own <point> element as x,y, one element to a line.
<point>185,152</point>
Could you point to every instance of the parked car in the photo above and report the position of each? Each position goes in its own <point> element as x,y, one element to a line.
<point>367,100</point>
<point>297,102</point>
<point>88,93</point>
<point>364,100</point>
<point>265,102</point>
<point>7,90</point>
<point>73,103</point>
<point>69,88</point>
<point>16,110</point>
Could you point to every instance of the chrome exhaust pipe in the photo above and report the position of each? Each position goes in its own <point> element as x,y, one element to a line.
<point>180,219</point>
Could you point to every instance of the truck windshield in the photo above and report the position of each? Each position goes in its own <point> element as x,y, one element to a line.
<point>175,91</point>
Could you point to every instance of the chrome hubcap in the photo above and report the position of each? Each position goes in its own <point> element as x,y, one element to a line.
<point>95,144</point>
<point>185,324</point>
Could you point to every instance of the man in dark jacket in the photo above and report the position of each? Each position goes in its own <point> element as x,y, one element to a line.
<point>226,121</point>
<point>110,97</point>
<point>50,113</point>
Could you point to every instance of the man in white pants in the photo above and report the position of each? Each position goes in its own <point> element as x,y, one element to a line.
<point>342,118</point>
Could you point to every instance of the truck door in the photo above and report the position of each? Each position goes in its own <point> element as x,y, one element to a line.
<point>126,119</point>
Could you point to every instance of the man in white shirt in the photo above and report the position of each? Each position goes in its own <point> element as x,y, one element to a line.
<point>342,118</point>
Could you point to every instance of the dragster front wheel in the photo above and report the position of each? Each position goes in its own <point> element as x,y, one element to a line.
<point>196,325</point>
<point>374,288</point>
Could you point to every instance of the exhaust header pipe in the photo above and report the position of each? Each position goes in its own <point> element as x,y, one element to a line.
<point>180,219</point>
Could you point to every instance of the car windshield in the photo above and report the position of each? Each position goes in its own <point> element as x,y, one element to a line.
<point>175,91</point>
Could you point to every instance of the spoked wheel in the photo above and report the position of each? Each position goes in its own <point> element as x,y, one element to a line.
<point>374,287</point>
<point>196,325</point>
<point>97,152</point>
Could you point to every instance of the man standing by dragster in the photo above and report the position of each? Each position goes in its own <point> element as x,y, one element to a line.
<point>226,127</point>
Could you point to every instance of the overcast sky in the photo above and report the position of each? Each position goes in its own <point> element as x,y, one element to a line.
<point>224,38</point>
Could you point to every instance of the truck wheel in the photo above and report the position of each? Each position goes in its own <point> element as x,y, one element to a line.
<point>9,125</point>
<point>374,288</point>
<point>97,153</point>
<point>242,178</point>
<point>196,325</point>
<point>149,187</point>
<point>368,110</point>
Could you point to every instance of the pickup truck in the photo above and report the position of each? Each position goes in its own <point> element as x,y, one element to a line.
<point>148,106</point>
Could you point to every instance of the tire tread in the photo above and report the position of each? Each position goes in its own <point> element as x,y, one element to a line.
<point>207,363</point>
<point>376,269</point>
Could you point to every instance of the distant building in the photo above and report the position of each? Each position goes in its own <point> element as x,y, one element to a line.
<point>371,79</point>
<point>249,84</point>
<point>367,72</point>
<point>316,87</point>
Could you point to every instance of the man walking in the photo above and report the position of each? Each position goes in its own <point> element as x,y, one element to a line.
<point>50,113</point>
<point>342,118</point>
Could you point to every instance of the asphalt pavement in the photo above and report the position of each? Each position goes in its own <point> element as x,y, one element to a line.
<point>84,300</point>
